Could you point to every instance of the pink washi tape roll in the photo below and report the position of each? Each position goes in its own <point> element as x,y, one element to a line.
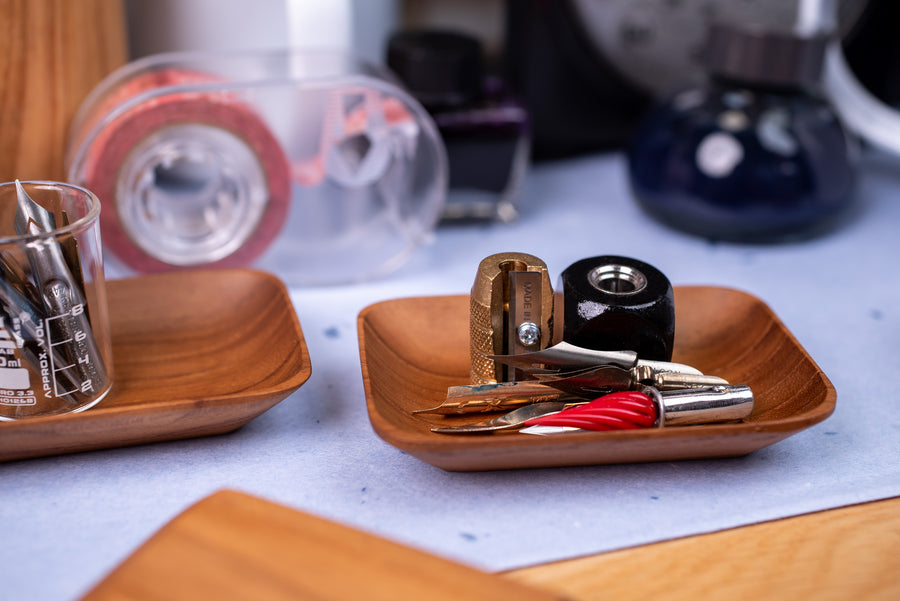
<point>188,172</point>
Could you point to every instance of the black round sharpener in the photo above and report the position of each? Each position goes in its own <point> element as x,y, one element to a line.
<point>616,303</point>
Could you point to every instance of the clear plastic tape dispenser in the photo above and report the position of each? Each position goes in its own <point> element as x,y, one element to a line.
<point>312,165</point>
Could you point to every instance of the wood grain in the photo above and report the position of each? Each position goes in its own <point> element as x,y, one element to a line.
<point>52,53</point>
<point>847,553</point>
<point>413,349</point>
<point>232,546</point>
<point>194,353</point>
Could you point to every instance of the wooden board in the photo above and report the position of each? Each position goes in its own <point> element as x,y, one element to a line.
<point>413,349</point>
<point>194,353</point>
<point>232,546</point>
<point>846,553</point>
<point>52,54</point>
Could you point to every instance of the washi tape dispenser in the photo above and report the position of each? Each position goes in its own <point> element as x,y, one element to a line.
<point>594,354</point>
<point>313,165</point>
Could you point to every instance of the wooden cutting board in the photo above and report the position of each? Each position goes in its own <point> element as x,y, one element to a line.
<point>233,546</point>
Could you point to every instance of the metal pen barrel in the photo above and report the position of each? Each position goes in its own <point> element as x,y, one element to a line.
<point>702,405</point>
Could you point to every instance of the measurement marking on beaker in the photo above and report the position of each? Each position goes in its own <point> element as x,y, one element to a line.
<point>54,356</point>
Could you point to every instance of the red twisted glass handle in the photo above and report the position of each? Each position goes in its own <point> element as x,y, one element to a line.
<point>627,410</point>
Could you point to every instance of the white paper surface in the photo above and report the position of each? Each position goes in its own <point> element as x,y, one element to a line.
<point>66,521</point>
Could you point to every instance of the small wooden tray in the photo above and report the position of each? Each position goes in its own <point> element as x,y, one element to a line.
<point>413,349</point>
<point>194,353</point>
<point>232,546</point>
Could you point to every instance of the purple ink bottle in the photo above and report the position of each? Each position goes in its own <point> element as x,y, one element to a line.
<point>484,127</point>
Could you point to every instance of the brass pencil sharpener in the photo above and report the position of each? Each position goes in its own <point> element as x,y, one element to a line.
<point>511,312</point>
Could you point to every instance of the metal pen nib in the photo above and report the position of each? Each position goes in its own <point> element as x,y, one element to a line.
<point>609,378</point>
<point>31,218</point>
<point>564,357</point>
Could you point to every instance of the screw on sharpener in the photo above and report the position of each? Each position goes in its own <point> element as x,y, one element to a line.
<point>511,312</point>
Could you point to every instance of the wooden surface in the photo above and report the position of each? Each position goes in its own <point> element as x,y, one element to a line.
<point>52,54</point>
<point>232,546</point>
<point>413,349</point>
<point>235,546</point>
<point>846,553</point>
<point>194,353</point>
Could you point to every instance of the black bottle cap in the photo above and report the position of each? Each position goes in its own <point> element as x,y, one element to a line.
<point>440,68</point>
<point>754,54</point>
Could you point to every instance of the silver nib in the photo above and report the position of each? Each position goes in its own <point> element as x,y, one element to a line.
<point>564,357</point>
<point>31,218</point>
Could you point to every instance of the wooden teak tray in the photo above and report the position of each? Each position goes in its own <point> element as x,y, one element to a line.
<point>194,353</point>
<point>234,546</point>
<point>413,349</point>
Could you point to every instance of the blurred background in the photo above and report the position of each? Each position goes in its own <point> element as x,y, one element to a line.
<point>587,69</point>
<point>768,150</point>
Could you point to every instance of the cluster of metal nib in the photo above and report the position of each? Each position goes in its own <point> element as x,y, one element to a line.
<point>586,389</point>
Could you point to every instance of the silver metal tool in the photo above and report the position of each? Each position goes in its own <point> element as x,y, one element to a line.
<point>565,357</point>
<point>702,406</point>
<point>609,378</point>
<point>76,363</point>
<point>15,303</point>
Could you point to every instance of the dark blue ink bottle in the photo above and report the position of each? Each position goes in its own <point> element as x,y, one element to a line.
<point>755,154</point>
<point>484,127</point>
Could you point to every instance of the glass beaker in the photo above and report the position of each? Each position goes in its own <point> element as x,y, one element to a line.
<point>55,347</point>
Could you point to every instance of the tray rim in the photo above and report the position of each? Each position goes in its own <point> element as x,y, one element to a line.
<point>422,448</point>
<point>254,402</point>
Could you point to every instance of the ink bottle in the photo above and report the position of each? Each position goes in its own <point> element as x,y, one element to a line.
<point>754,155</point>
<point>485,128</point>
